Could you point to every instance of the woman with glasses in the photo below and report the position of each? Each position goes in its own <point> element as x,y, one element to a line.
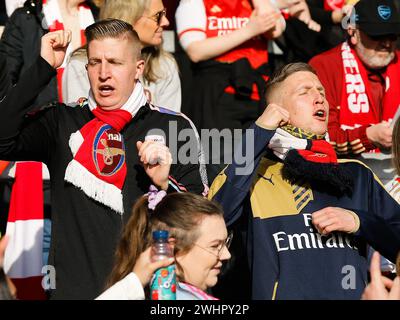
<point>160,78</point>
<point>197,233</point>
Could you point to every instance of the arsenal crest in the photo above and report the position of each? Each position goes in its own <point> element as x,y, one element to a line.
<point>108,151</point>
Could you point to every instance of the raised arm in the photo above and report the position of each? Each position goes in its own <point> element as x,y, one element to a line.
<point>231,186</point>
<point>23,138</point>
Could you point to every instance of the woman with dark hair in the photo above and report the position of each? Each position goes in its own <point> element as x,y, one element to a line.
<point>197,233</point>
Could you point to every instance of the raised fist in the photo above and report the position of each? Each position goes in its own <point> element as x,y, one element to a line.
<point>54,46</point>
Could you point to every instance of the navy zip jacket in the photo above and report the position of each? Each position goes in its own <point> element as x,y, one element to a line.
<point>288,258</point>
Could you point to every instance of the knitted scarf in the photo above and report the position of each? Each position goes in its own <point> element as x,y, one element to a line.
<point>357,107</point>
<point>54,21</point>
<point>98,166</point>
<point>307,156</point>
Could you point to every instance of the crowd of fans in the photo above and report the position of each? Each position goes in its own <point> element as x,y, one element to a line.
<point>86,87</point>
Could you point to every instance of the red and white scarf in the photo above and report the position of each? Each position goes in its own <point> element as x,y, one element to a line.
<point>309,157</point>
<point>310,147</point>
<point>98,167</point>
<point>357,106</point>
<point>23,256</point>
<point>54,21</point>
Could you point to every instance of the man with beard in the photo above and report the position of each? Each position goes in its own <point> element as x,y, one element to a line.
<point>309,215</point>
<point>362,78</point>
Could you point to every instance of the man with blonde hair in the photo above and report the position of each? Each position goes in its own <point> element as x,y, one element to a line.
<point>309,214</point>
<point>96,152</point>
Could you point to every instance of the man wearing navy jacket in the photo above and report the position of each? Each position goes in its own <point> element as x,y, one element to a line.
<point>309,214</point>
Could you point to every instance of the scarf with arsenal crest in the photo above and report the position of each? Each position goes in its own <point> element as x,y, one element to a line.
<point>309,157</point>
<point>98,167</point>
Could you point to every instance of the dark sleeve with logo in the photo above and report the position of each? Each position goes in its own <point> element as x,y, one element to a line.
<point>380,226</point>
<point>33,142</point>
<point>231,186</point>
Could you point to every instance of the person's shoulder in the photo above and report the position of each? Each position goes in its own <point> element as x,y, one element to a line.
<point>69,107</point>
<point>189,3</point>
<point>168,62</point>
<point>30,8</point>
<point>166,115</point>
<point>327,56</point>
<point>77,61</point>
<point>355,165</point>
<point>26,18</point>
<point>397,57</point>
<point>79,56</point>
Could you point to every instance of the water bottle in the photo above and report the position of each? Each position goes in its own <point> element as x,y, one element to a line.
<point>163,282</point>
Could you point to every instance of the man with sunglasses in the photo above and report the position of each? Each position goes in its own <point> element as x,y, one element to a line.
<point>361,78</point>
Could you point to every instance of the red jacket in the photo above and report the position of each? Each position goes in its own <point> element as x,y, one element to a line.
<point>329,67</point>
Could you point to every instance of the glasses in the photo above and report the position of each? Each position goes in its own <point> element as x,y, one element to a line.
<point>217,251</point>
<point>158,16</point>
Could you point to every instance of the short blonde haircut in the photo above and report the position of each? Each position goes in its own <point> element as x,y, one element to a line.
<point>114,28</point>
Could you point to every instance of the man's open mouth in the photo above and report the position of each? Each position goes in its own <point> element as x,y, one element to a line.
<point>106,89</point>
<point>320,114</point>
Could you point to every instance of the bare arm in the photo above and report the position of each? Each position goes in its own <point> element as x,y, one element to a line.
<point>213,47</point>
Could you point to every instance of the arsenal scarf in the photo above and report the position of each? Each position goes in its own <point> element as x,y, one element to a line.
<point>54,22</point>
<point>310,146</point>
<point>98,167</point>
<point>23,257</point>
<point>357,106</point>
<point>309,157</point>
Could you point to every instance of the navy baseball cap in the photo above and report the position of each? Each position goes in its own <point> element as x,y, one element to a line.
<point>377,17</point>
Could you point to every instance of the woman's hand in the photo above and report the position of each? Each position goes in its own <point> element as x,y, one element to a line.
<point>144,268</point>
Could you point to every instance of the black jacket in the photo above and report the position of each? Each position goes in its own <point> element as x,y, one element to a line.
<point>20,43</point>
<point>84,232</point>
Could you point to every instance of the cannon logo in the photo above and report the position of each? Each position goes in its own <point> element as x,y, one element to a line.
<point>108,151</point>
<point>384,12</point>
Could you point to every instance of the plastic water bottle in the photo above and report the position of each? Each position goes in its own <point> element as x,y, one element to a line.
<point>163,282</point>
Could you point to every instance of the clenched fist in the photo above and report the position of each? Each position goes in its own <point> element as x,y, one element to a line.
<point>54,46</point>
